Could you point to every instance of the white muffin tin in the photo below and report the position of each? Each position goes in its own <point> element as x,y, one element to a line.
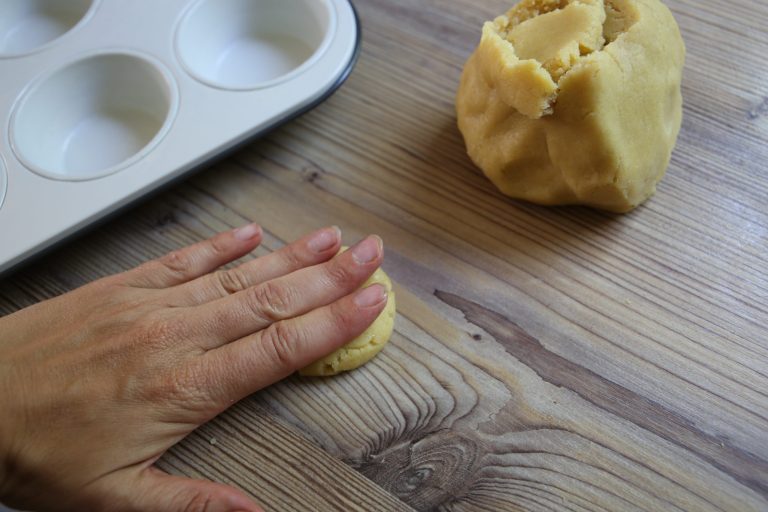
<point>102,101</point>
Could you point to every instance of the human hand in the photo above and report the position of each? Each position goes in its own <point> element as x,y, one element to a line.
<point>97,384</point>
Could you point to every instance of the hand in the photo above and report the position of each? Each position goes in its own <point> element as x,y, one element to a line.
<point>97,384</point>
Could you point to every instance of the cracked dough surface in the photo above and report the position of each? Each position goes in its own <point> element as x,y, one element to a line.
<point>575,101</point>
<point>363,348</point>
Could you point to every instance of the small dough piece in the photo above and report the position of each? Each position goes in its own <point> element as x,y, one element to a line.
<point>575,101</point>
<point>363,348</point>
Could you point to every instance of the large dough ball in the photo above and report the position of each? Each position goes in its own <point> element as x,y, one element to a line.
<point>363,348</point>
<point>575,101</point>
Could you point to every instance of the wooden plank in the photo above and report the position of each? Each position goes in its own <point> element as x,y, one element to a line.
<point>544,359</point>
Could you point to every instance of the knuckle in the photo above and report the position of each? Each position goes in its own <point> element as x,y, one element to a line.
<point>339,275</point>
<point>342,317</point>
<point>231,281</point>
<point>293,257</point>
<point>163,332</point>
<point>178,262</point>
<point>272,300</point>
<point>199,501</point>
<point>169,387</point>
<point>182,387</point>
<point>281,341</point>
<point>218,245</point>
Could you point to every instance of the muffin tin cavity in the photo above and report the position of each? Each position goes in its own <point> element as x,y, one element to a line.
<point>94,116</point>
<point>28,25</point>
<point>250,44</point>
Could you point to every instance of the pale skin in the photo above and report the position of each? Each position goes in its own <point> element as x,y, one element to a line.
<point>97,384</point>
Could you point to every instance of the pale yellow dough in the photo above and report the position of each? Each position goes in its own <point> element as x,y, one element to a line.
<point>363,348</point>
<point>575,101</point>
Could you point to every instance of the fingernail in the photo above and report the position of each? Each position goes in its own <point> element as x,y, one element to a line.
<point>324,239</point>
<point>367,250</point>
<point>247,232</point>
<point>371,296</point>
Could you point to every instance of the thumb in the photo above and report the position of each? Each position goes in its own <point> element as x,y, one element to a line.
<point>157,491</point>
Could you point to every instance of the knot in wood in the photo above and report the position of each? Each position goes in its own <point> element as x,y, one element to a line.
<point>312,173</point>
<point>427,472</point>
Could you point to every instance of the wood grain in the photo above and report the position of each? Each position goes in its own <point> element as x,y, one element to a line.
<point>248,440</point>
<point>544,359</point>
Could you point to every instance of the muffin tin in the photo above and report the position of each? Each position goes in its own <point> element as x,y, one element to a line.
<point>103,101</point>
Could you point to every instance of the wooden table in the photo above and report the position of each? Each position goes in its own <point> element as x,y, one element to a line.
<point>544,359</point>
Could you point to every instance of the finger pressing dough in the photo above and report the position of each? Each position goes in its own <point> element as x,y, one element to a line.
<point>363,348</point>
<point>575,101</point>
